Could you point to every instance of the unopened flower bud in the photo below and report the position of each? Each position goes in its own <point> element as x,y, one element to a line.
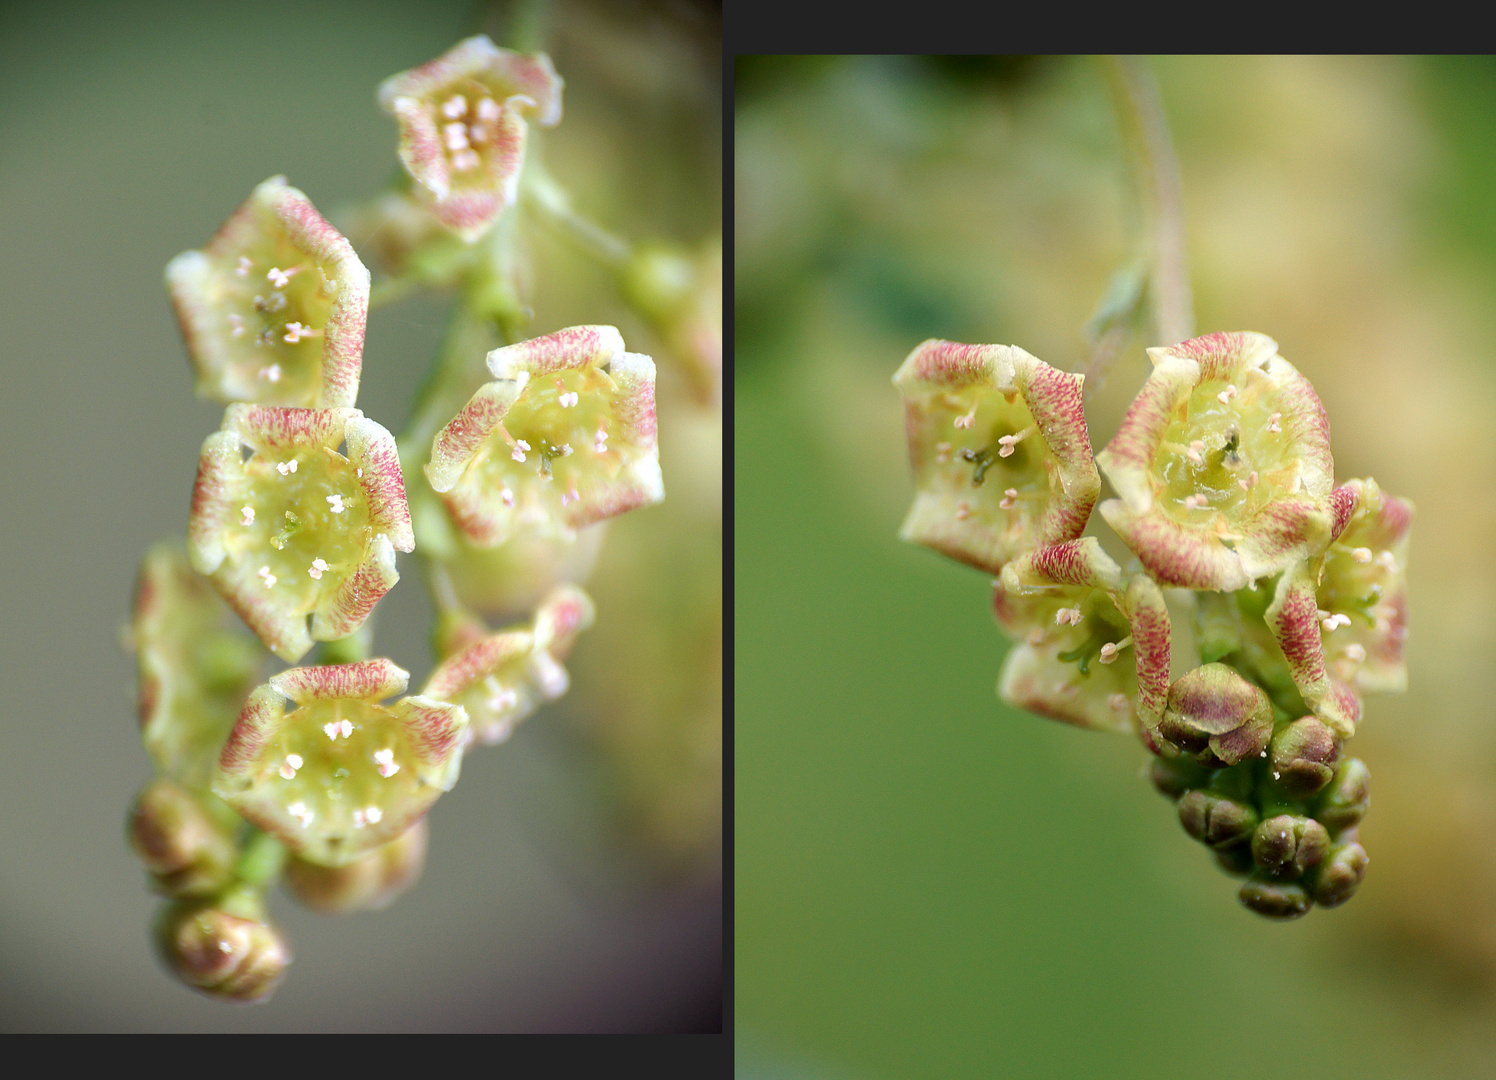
<point>1289,844</point>
<point>1304,755</point>
<point>1173,776</point>
<point>189,853</point>
<point>1340,875</point>
<point>1344,803</point>
<point>229,954</point>
<point>1215,820</point>
<point>1215,713</point>
<point>1236,861</point>
<point>369,883</point>
<point>1273,898</point>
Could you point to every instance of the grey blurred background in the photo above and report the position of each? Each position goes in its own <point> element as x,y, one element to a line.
<point>128,132</point>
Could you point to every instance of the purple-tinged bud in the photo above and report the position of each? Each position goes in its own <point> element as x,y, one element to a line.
<point>1223,465</point>
<point>1173,776</point>
<point>1216,714</point>
<point>1216,821</point>
<point>1344,803</point>
<point>1304,755</point>
<point>339,774</point>
<point>1000,452</point>
<point>1288,844</point>
<point>463,127</point>
<point>188,852</point>
<point>1340,875</point>
<point>366,884</point>
<point>564,437</point>
<point>1275,899</point>
<point>224,947</point>
<point>273,310</point>
<point>299,529</point>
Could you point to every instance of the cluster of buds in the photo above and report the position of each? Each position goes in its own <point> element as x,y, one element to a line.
<point>300,508</point>
<point>1262,600</point>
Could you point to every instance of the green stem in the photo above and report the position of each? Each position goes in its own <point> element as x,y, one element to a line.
<point>1146,130</point>
<point>554,205</point>
<point>260,859</point>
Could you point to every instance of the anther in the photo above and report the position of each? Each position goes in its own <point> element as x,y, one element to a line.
<point>568,400</point>
<point>967,420</point>
<point>386,761</point>
<point>465,160</point>
<point>1386,561</point>
<point>1361,555</point>
<point>271,373</point>
<point>1197,501</point>
<point>520,447</point>
<point>488,110</point>
<point>1118,702</point>
<point>1110,650</point>
<point>455,136</point>
<point>1036,636</point>
<point>963,511</point>
<point>337,727</point>
<point>506,497</point>
<point>336,502</point>
<point>1008,442</point>
<point>244,267</point>
<point>1196,452</point>
<point>454,106</point>
<point>1071,615</point>
<point>281,278</point>
<point>1272,423</point>
<point>1010,497</point>
<point>1337,620</point>
<point>249,515</point>
<point>1250,482</point>
<point>1225,396</point>
<point>296,331</point>
<point>267,576</point>
<point>285,467</point>
<point>1355,652</point>
<point>318,565</point>
<point>237,322</point>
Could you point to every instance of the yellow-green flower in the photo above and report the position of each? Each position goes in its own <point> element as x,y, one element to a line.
<point>463,125</point>
<point>1223,465</point>
<point>1000,452</point>
<point>339,774</point>
<point>273,309</point>
<point>299,529</point>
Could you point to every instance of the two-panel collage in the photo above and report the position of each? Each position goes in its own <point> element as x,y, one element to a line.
<point>394,648</point>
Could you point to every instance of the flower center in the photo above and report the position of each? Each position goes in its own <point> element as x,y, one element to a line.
<point>469,123</point>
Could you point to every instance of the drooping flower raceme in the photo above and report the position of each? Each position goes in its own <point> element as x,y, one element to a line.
<point>297,528</point>
<point>1000,452</point>
<point>273,309</point>
<point>340,774</point>
<point>1277,597</point>
<point>463,122</point>
<point>563,437</point>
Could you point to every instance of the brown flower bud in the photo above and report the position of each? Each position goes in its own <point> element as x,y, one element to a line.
<point>1340,875</point>
<point>1214,820</point>
<point>1217,715</point>
<point>369,883</point>
<point>174,835</point>
<point>1289,845</point>
<point>235,956</point>
<point>1275,899</point>
<point>1304,755</point>
<point>1344,803</point>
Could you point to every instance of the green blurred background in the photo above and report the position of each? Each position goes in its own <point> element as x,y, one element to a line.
<point>573,881</point>
<point>932,884</point>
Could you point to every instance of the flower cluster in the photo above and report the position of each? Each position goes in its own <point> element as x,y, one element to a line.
<point>1265,599</point>
<point>299,510</point>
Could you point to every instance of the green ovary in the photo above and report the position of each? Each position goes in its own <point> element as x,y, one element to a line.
<point>339,767</point>
<point>294,525</point>
<point>1232,441</point>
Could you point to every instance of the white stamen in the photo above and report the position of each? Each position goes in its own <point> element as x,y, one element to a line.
<point>1196,452</point>
<point>288,769</point>
<point>1036,636</point>
<point>337,727</point>
<point>299,811</point>
<point>488,110</point>
<point>286,467</point>
<point>386,760</point>
<point>520,446</point>
<point>295,331</point>
<point>600,443</point>
<point>1109,651</point>
<point>318,565</point>
<point>373,813</point>
<point>244,267</point>
<point>963,511</point>
<point>280,278</point>
<point>266,576</point>
<point>1198,501</point>
<point>454,106</point>
<point>1225,396</point>
<point>568,400</point>
<point>1337,620</point>
<point>336,502</point>
<point>237,322</point>
<point>506,496</point>
<point>249,515</point>
<point>361,472</point>
<point>1272,423</point>
<point>455,136</point>
<point>967,420</point>
<point>942,452</point>
<point>1355,652</point>
<point>1361,555</point>
<point>1010,496</point>
<point>1008,442</point>
<point>1071,615</point>
<point>272,373</point>
<point>1118,702</point>
<point>465,160</point>
<point>1250,482</point>
<point>1386,560</point>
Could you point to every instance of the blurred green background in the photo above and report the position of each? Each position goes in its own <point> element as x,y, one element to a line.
<point>573,881</point>
<point>932,884</point>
